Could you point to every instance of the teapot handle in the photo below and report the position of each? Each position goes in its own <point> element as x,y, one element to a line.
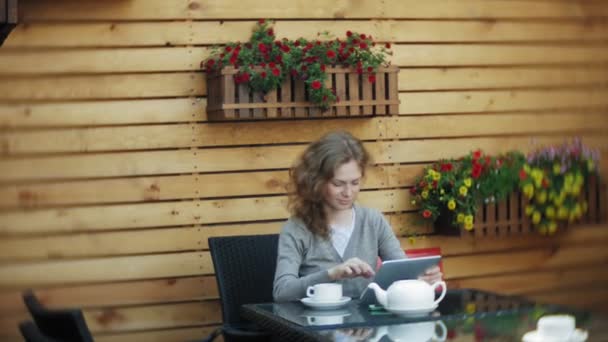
<point>443,291</point>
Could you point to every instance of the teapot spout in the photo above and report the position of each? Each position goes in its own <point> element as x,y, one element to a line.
<point>380,293</point>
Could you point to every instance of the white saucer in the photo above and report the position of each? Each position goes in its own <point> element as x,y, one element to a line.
<point>577,336</point>
<point>326,313</point>
<point>325,305</point>
<point>412,312</point>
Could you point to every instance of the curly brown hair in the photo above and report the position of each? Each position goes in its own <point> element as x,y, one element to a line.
<point>314,168</point>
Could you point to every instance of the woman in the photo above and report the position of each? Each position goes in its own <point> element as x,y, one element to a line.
<point>329,238</point>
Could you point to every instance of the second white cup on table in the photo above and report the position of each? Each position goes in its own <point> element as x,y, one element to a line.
<point>325,292</point>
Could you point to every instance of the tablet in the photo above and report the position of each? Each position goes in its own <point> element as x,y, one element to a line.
<point>401,269</point>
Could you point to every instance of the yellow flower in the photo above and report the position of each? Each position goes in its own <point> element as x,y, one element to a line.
<point>552,228</point>
<point>460,218</point>
<point>413,202</point>
<point>529,190</point>
<point>529,210</point>
<point>468,219</point>
<point>550,212</point>
<point>536,217</point>
<point>425,194</point>
<point>590,164</point>
<point>437,176</point>
<point>468,226</point>
<point>541,197</point>
<point>527,168</point>
<point>470,308</point>
<point>451,204</point>
<point>557,168</point>
<point>463,191</point>
<point>562,213</point>
<point>468,182</point>
<point>442,191</point>
<point>576,190</point>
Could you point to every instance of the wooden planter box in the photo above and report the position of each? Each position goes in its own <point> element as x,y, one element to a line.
<point>508,218</point>
<point>358,97</point>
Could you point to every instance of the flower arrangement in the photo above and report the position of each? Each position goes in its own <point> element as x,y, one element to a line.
<point>265,61</point>
<point>454,188</point>
<point>553,180</point>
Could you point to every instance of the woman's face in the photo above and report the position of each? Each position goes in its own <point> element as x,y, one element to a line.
<point>340,192</point>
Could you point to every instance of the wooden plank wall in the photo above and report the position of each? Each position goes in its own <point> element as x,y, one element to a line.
<point>111,178</point>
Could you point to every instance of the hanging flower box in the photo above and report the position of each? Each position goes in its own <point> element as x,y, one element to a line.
<point>268,77</point>
<point>357,96</point>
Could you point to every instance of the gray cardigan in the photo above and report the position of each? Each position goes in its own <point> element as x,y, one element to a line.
<point>304,258</point>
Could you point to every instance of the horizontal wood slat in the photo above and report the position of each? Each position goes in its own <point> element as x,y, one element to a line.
<point>226,134</point>
<point>65,272</point>
<point>102,112</point>
<point>140,86</point>
<point>250,158</point>
<point>159,9</point>
<point>499,100</point>
<point>172,213</point>
<point>535,282</point>
<point>174,187</point>
<point>214,32</point>
<point>106,60</point>
<point>187,110</point>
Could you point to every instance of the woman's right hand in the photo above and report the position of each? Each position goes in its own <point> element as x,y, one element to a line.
<point>351,268</point>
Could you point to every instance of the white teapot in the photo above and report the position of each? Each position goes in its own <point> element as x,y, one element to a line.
<point>413,332</point>
<point>409,295</point>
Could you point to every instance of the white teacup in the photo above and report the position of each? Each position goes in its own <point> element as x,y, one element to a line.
<point>325,292</point>
<point>555,328</point>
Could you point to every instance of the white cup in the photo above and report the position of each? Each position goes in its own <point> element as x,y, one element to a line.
<point>325,292</point>
<point>555,328</point>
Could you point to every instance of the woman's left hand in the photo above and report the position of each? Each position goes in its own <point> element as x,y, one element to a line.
<point>431,275</point>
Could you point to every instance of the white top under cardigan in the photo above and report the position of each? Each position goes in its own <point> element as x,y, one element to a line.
<point>304,258</point>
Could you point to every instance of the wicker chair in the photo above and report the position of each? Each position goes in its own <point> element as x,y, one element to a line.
<point>63,325</point>
<point>31,333</point>
<point>244,269</point>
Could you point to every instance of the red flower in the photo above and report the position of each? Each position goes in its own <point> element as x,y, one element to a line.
<point>262,47</point>
<point>271,65</point>
<point>261,21</point>
<point>434,184</point>
<point>422,184</point>
<point>370,69</point>
<point>476,154</point>
<point>263,65</point>
<point>323,67</point>
<point>355,41</point>
<point>245,77</point>
<point>359,71</point>
<point>446,167</point>
<point>318,43</point>
<point>387,45</point>
<point>304,68</point>
<point>276,72</point>
<point>371,78</point>
<point>476,172</point>
<point>228,49</point>
<point>297,43</point>
<point>263,74</point>
<point>545,183</point>
<point>210,63</point>
<point>286,48</point>
<point>362,36</point>
<point>426,213</point>
<point>522,174</point>
<point>331,54</point>
<point>270,32</point>
<point>315,85</point>
<point>363,45</point>
<point>348,33</point>
<point>413,190</point>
